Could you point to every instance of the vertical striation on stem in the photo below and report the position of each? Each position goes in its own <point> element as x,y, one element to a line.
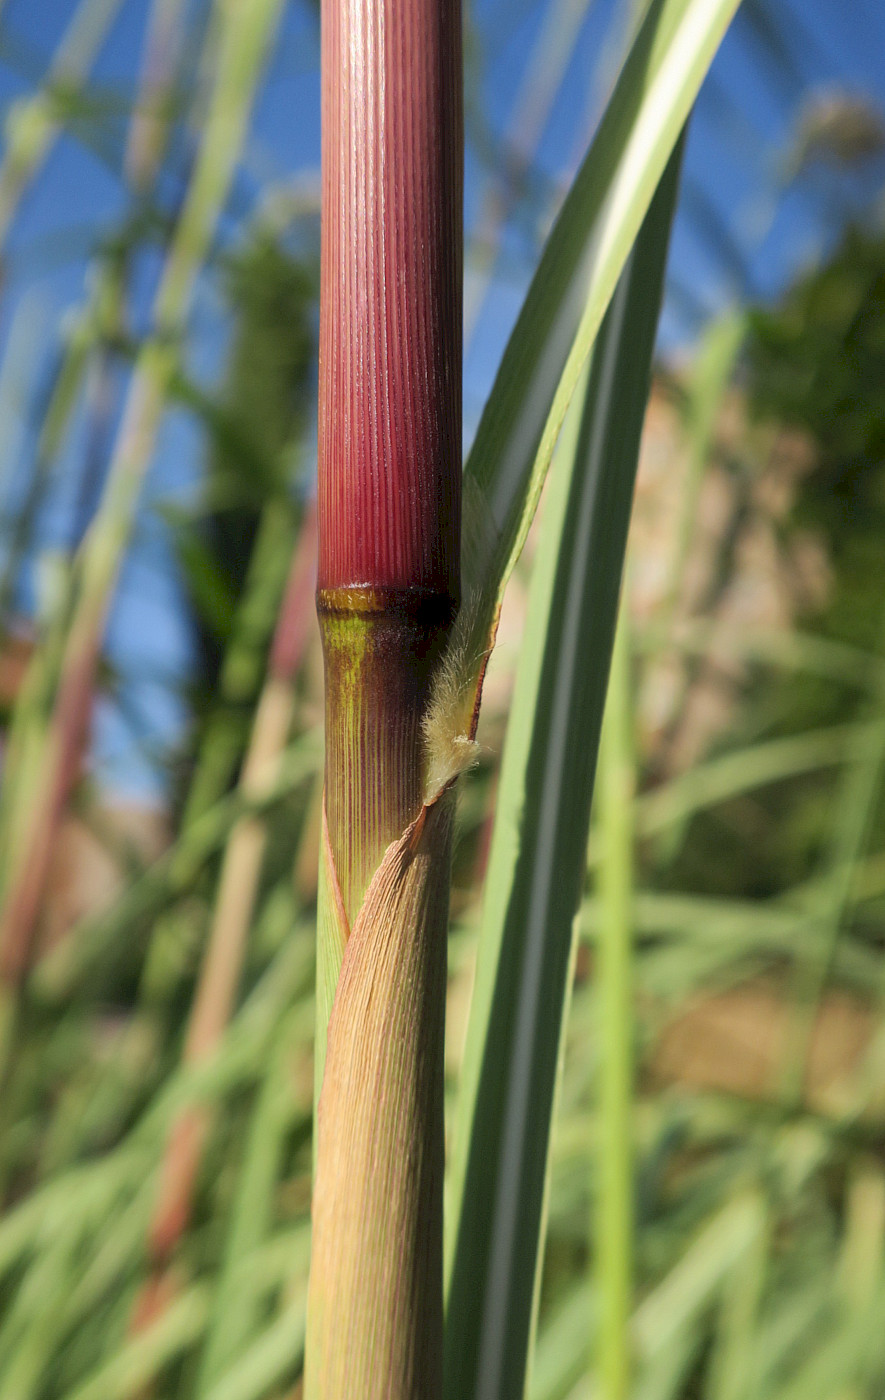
<point>390,405</point>
<point>388,589</point>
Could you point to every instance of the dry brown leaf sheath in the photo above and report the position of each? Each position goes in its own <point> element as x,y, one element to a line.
<point>375,1305</point>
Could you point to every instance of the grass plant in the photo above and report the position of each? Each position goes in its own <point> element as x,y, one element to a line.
<point>243,1154</point>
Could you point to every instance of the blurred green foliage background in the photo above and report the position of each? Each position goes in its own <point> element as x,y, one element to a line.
<point>162,756</point>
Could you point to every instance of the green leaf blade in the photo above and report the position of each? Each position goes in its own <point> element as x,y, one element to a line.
<point>564,307</point>
<point>538,851</point>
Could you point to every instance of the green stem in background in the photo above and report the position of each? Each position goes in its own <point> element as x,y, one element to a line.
<point>614,972</point>
<point>152,118</point>
<point>667,1326</point>
<point>711,376</point>
<point>33,123</point>
<point>244,659</point>
<point>88,953</point>
<point>101,320</point>
<point>245,34</point>
<point>97,1212</point>
<point>859,788</point>
<point>27,730</point>
<point>21,371</point>
<point>266,397</point>
<point>251,1220</point>
<point>733,1374</point>
<point>857,795</point>
<point>236,894</point>
<point>146,143</point>
<point>87,357</point>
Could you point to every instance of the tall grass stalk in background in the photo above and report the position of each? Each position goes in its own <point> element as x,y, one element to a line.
<point>33,123</point>
<point>245,32</point>
<point>236,895</point>
<point>613,1233</point>
<point>88,355</point>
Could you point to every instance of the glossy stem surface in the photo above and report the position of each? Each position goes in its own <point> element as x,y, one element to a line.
<point>390,405</point>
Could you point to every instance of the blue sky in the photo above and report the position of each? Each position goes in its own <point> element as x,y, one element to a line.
<point>737,234</point>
